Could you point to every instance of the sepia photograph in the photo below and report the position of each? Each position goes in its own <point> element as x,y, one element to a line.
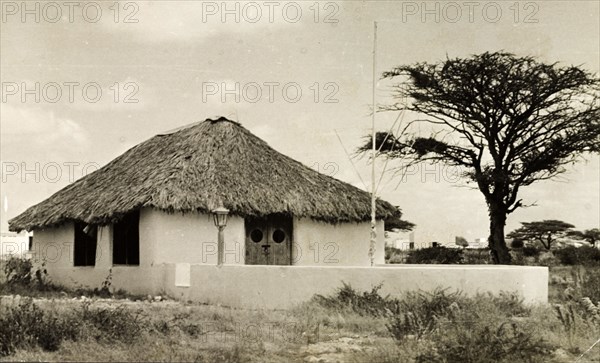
<point>306,181</point>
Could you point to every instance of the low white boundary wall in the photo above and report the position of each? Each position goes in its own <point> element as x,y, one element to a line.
<point>280,287</point>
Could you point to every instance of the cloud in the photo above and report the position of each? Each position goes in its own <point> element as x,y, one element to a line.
<point>39,128</point>
<point>158,21</point>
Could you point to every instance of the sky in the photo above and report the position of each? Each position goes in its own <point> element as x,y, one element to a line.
<point>82,84</point>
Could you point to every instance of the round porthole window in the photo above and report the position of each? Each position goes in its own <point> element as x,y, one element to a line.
<point>278,236</point>
<point>256,235</point>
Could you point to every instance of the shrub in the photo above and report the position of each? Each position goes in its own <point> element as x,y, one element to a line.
<point>585,255</point>
<point>586,281</point>
<point>394,255</point>
<point>464,329</point>
<point>25,324</point>
<point>479,256</point>
<point>530,251</point>
<point>114,324</point>
<point>21,277</point>
<point>591,311</point>
<point>506,303</point>
<point>517,257</point>
<point>517,243</point>
<point>468,341</point>
<point>18,271</point>
<point>104,290</point>
<point>547,259</point>
<point>389,252</point>
<point>590,285</point>
<point>418,313</point>
<point>365,303</point>
<point>578,318</point>
<point>436,255</point>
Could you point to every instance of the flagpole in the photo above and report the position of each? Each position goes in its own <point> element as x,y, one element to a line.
<point>373,241</point>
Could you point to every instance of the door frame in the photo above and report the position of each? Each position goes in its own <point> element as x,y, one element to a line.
<point>258,251</point>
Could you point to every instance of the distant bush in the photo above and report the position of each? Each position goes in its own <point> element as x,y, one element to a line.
<point>435,255</point>
<point>531,251</point>
<point>395,255</point>
<point>390,251</point>
<point>547,258</point>
<point>477,256</point>
<point>585,255</point>
<point>517,243</point>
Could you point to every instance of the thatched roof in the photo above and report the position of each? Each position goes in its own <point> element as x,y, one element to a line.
<point>195,168</point>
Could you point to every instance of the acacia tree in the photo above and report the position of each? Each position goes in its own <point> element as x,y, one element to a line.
<point>505,121</point>
<point>545,232</point>
<point>397,223</point>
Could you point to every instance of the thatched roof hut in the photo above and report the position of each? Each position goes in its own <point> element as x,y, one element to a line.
<point>195,168</point>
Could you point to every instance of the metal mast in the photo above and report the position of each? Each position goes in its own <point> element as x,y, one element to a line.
<point>373,153</point>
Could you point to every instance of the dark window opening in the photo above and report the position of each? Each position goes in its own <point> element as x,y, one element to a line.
<point>85,244</point>
<point>256,235</point>
<point>126,240</point>
<point>435,244</point>
<point>278,236</point>
<point>411,245</point>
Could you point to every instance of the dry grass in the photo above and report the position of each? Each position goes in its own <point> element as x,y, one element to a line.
<point>177,331</point>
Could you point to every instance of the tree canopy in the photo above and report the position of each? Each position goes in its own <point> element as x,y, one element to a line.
<point>461,241</point>
<point>397,223</point>
<point>546,232</point>
<point>507,121</point>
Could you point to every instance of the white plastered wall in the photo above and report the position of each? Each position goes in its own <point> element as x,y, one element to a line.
<point>188,238</point>
<point>344,244</point>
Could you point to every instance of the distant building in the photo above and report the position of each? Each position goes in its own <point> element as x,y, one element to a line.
<point>16,244</point>
<point>400,240</point>
<point>481,242</point>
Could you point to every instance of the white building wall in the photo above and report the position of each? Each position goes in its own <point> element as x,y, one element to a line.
<point>54,246</point>
<point>191,238</point>
<point>188,238</point>
<point>346,244</point>
<point>164,239</point>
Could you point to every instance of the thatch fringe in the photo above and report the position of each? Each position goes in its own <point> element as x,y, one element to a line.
<point>195,169</point>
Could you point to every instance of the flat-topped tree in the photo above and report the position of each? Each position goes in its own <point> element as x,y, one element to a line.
<point>546,232</point>
<point>397,223</point>
<point>506,121</point>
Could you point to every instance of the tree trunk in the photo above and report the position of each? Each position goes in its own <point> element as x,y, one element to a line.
<point>497,243</point>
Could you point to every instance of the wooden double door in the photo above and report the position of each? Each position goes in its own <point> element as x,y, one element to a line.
<point>269,240</point>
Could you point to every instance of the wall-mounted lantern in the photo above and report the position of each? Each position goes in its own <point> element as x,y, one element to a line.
<point>220,219</point>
